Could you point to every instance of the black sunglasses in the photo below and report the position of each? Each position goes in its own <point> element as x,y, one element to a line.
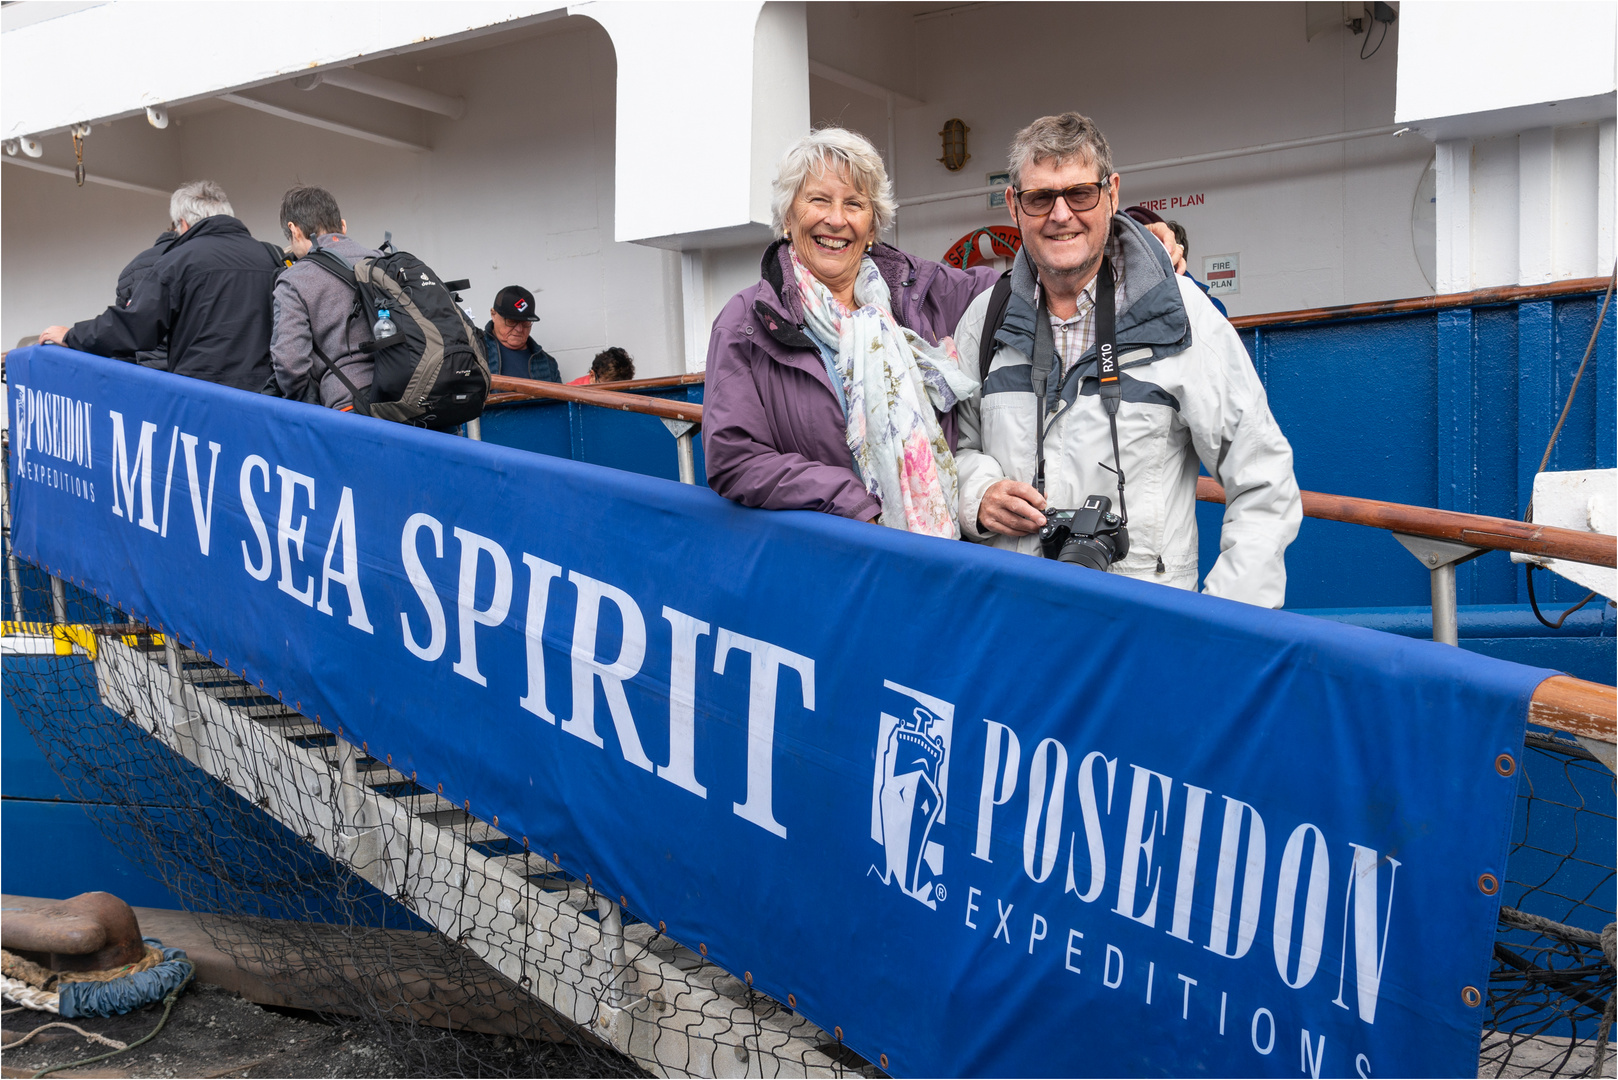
<point>1038,202</point>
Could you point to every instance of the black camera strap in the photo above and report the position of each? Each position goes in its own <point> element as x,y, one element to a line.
<point>1047,381</point>
<point>1112,389</point>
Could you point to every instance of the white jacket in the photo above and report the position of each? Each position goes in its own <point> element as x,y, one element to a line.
<point>1190,395</point>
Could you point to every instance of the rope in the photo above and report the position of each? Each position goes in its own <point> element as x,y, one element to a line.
<point>168,1007</point>
<point>1609,938</point>
<point>1567,406</point>
<point>37,975</point>
<point>29,997</point>
<point>1524,920</point>
<point>13,966</point>
<point>92,1036</point>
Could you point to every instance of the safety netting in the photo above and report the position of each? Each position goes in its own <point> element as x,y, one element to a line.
<point>346,888</point>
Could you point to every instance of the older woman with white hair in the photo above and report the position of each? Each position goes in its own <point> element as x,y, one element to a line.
<point>831,382</point>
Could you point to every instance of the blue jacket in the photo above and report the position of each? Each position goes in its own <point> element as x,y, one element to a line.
<point>541,364</point>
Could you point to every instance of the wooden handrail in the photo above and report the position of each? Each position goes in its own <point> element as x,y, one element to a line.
<point>1505,294</point>
<point>514,389</point>
<point>1576,707</point>
<point>1561,702</point>
<point>1476,530</point>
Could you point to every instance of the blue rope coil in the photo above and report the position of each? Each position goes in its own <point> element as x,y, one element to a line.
<point>130,992</point>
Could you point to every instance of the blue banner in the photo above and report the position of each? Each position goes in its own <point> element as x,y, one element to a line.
<point>989,814</point>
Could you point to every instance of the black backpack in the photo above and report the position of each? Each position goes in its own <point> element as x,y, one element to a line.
<point>433,373</point>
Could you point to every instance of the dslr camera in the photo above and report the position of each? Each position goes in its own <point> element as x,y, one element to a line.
<point>1090,536</point>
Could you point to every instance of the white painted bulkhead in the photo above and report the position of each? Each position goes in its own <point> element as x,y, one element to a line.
<point>614,158</point>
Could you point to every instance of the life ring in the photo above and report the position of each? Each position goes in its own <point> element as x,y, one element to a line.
<point>991,245</point>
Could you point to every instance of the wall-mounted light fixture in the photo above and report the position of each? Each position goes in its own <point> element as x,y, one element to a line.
<point>954,136</point>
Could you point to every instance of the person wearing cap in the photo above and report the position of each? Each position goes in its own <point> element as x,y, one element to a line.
<point>509,342</point>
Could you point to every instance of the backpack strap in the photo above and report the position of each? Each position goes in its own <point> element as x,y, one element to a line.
<point>334,265</point>
<point>998,299</point>
<point>282,259</point>
<point>353,391</point>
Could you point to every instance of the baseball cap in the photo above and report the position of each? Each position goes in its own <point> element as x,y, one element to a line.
<point>515,303</point>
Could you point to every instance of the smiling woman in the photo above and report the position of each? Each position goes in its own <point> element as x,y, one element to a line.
<point>831,382</point>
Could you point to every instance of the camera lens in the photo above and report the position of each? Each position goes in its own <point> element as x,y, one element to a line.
<point>1094,552</point>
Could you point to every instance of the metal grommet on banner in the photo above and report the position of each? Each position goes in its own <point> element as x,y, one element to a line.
<point>466,804</point>
<point>588,882</point>
<point>1470,995</point>
<point>555,858</point>
<point>1505,764</point>
<point>662,927</point>
<point>702,947</point>
<point>1488,884</point>
<point>838,1032</point>
<point>747,976</point>
<point>441,789</point>
<point>884,1060</point>
<point>621,901</point>
<point>792,1001</point>
<point>496,821</point>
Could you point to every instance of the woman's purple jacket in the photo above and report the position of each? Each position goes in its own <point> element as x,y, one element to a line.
<point>772,431</point>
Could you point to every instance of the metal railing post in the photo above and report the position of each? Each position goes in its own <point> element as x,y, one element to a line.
<point>474,429</point>
<point>1446,622</point>
<point>359,833</point>
<point>1440,557</point>
<point>58,601</point>
<point>612,948</point>
<point>13,575</point>
<point>181,720</point>
<point>682,431</point>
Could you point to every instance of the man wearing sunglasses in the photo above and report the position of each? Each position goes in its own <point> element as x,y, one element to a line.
<point>1050,427</point>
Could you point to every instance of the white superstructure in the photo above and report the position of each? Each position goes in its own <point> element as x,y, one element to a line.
<point>615,157</point>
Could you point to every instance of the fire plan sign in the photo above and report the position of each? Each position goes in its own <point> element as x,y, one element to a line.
<point>1222,274</point>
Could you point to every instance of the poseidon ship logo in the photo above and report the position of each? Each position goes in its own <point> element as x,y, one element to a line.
<point>911,785</point>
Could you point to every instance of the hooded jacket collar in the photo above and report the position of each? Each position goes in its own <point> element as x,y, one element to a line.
<point>218,225</point>
<point>1150,311</point>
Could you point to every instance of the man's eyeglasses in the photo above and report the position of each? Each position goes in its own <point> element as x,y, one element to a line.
<point>1038,202</point>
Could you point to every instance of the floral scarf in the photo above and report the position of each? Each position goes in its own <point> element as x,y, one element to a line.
<point>893,381</point>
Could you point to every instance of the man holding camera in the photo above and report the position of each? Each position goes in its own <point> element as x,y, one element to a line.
<point>1111,416</point>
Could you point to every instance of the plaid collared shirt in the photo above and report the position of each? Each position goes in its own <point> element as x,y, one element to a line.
<point>1073,337</point>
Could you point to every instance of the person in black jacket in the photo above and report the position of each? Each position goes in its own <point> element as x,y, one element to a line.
<point>208,296</point>
<point>129,277</point>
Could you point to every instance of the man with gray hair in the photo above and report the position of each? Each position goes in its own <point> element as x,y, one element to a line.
<point>1109,376</point>
<point>207,296</point>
